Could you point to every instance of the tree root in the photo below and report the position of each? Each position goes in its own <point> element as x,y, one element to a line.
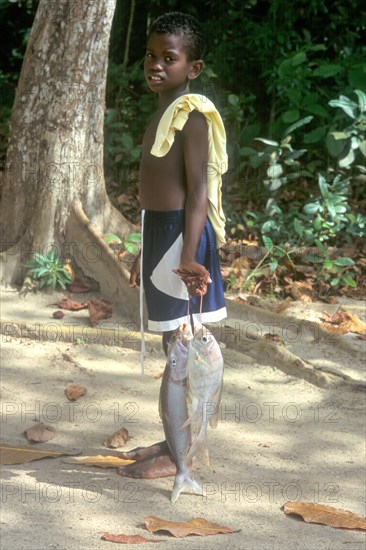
<point>94,257</point>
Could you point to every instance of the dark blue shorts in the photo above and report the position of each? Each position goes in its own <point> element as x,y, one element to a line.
<point>166,295</point>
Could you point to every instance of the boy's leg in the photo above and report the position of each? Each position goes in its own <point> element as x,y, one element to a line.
<point>155,460</point>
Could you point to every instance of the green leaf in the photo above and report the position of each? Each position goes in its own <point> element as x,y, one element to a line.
<point>362,147</point>
<point>132,248</point>
<point>315,135</point>
<point>349,281</point>
<point>323,186</point>
<point>298,59</point>
<point>361,100</point>
<point>311,208</point>
<point>268,142</point>
<point>312,258</point>
<point>328,264</point>
<point>111,238</point>
<point>335,281</point>
<point>233,99</point>
<point>316,109</point>
<point>274,171</point>
<point>339,135</point>
<point>291,116</point>
<point>298,227</point>
<point>274,184</point>
<point>317,223</point>
<point>298,124</point>
<point>347,159</point>
<point>327,70</point>
<point>268,243</point>
<point>342,262</point>
<point>348,106</point>
<point>134,237</point>
<point>273,265</point>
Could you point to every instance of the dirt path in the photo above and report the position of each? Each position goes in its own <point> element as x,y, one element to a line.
<point>280,438</point>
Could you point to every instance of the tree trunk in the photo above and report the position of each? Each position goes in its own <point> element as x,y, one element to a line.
<point>54,178</point>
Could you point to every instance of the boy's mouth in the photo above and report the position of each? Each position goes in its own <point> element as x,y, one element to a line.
<point>155,78</point>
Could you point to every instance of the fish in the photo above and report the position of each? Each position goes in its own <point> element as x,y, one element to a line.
<point>173,409</point>
<point>205,366</point>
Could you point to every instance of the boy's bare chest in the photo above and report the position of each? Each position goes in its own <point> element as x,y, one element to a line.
<point>166,164</point>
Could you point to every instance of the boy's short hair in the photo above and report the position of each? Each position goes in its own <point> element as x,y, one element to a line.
<point>184,25</point>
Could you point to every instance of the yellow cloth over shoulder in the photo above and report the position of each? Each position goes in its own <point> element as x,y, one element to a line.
<point>174,118</point>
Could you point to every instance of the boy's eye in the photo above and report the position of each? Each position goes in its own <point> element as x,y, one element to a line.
<point>168,58</point>
<point>149,55</point>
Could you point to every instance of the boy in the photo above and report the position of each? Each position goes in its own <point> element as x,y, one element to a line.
<point>183,157</point>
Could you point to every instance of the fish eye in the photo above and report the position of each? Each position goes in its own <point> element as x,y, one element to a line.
<point>204,339</point>
<point>173,362</point>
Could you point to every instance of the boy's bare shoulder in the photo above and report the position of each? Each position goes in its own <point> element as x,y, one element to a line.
<point>196,125</point>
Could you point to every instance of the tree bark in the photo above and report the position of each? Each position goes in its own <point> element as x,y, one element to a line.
<point>55,152</point>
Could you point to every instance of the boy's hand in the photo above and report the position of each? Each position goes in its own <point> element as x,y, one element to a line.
<point>135,273</point>
<point>195,276</point>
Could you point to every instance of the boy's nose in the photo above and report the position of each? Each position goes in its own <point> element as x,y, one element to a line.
<point>156,65</point>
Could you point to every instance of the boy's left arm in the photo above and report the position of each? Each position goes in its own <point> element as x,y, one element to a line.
<point>195,150</point>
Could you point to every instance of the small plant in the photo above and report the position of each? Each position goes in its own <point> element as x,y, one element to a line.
<point>336,272</point>
<point>49,270</point>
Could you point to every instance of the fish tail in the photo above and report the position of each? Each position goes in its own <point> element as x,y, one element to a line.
<point>183,480</point>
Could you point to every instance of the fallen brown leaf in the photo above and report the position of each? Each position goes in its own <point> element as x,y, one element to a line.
<point>196,526</point>
<point>159,375</point>
<point>326,515</point>
<point>347,322</point>
<point>99,309</point>
<point>118,439</point>
<point>73,392</point>
<point>302,291</point>
<point>39,433</point>
<point>23,455</point>
<point>284,305</point>
<point>99,461</point>
<point>126,539</point>
<point>71,305</point>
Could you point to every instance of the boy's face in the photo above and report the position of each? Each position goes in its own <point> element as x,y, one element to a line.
<point>166,67</point>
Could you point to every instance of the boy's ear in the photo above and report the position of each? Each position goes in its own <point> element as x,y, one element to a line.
<point>196,69</point>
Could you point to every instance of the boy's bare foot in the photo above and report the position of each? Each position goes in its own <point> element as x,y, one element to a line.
<point>150,468</point>
<point>151,462</point>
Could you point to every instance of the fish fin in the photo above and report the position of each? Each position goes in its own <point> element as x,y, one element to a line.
<point>183,480</point>
<point>198,444</point>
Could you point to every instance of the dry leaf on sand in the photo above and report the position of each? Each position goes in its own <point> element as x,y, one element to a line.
<point>71,305</point>
<point>326,515</point>
<point>342,322</point>
<point>99,461</point>
<point>196,526</point>
<point>23,455</point>
<point>39,433</point>
<point>126,539</point>
<point>302,291</point>
<point>99,309</point>
<point>73,392</point>
<point>118,439</point>
<point>281,307</point>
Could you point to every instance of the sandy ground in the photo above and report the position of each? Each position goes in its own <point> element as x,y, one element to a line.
<point>280,438</point>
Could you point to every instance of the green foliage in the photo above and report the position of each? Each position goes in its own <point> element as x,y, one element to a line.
<point>129,107</point>
<point>336,272</point>
<point>345,144</point>
<point>49,270</point>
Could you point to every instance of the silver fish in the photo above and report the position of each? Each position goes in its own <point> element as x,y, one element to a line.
<point>173,409</point>
<point>204,381</point>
